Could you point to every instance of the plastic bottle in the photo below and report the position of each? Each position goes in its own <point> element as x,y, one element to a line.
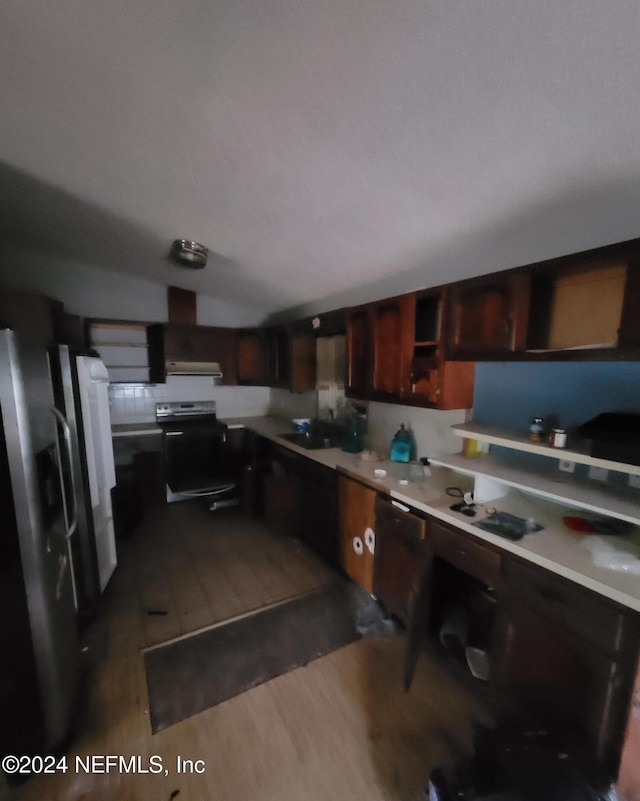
<point>354,434</point>
<point>401,446</point>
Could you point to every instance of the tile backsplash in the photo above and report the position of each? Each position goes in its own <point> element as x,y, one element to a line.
<point>430,428</point>
<point>293,404</point>
<point>136,403</point>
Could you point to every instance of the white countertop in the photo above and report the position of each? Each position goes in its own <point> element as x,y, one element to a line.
<point>135,429</point>
<point>554,547</point>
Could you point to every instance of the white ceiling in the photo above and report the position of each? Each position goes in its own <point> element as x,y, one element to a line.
<point>318,147</point>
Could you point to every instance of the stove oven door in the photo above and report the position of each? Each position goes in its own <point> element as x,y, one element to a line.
<point>196,460</point>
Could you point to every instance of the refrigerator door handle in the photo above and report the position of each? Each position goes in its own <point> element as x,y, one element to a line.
<point>69,446</point>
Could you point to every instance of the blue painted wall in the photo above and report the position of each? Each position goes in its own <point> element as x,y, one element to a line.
<point>509,394</point>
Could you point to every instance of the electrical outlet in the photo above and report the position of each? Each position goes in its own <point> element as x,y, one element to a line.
<point>598,473</point>
<point>634,481</point>
<point>566,466</point>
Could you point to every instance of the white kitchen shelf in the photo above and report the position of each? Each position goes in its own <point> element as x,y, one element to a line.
<point>550,483</point>
<point>124,349</point>
<point>520,442</point>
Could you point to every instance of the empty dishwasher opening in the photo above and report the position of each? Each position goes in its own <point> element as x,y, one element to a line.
<point>462,617</point>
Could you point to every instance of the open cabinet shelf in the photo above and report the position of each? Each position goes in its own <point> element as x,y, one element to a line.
<point>550,483</point>
<point>520,442</point>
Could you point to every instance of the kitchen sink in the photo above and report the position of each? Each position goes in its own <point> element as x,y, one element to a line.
<point>310,440</point>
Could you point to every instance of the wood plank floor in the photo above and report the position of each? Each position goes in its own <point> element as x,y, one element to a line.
<point>340,728</point>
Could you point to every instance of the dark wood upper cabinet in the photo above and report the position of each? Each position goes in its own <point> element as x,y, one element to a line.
<point>582,306</point>
<point>395,353</point>
<point>629,332</point>
<point>434,381</point>
<point>278,357</point>
<point>359,352</point>
<point>303,363</point>
<point>252,356</point>
<point>391,338</point>
<point>488,316</point>
<point>191,344</point>
<point>378,349</point>
<point>586,306</point>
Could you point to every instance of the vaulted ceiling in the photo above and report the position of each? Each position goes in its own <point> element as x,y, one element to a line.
<point>318,147</point>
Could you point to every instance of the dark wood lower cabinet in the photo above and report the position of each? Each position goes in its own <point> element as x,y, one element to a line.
<point>629,775</point>
<point>301,499</point>
<point>547,646</point>
<point>570,653</point>
<point>456,607</point>
<point>400,558</point>
<point>356,515</point>
<point>319,506</point>
<point>554,649</point>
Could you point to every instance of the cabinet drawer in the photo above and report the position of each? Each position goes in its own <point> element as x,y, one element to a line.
<point>396,522</point>
<point>461,551</point>
<point>571,607</point>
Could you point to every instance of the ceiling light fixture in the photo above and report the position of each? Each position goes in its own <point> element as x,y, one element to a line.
<point>191,254</point>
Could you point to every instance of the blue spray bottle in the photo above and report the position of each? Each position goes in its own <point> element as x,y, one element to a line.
<point>401,446</point>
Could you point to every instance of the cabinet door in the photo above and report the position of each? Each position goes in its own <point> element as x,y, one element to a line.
<point>488,317</point>
<point>551,670</point>
<point>358,353</point>
<point>400,561</point>
<point>283,504</point>
<point>278,357</point>
<point>570,653</point>
<point>356,515</point>
<point>629,775</point>
<point>252,363</point>
<point>456,606</point>
<point>441,384</point>
<point>392,335</point>
<point>629,333</point>
<point>319,523</point>
<point>221,344</point>
<point>303,363</point>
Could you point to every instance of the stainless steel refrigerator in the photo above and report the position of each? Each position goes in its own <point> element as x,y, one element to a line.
<point>39,650</point>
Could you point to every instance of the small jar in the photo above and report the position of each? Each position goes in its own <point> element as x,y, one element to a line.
<point>536,429</point>
<point>558,438</point>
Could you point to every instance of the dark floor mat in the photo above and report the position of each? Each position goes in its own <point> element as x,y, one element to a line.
<point>193,674</point>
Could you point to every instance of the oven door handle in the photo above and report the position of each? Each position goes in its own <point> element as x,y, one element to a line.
<point>207,492</point>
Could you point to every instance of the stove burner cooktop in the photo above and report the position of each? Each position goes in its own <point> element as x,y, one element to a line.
<point>181,410</point>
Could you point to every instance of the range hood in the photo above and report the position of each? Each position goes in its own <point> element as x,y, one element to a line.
<point>211,369</point>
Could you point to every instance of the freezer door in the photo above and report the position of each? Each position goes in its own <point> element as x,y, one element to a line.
<point>93,382</point>
<point>32,456</point>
